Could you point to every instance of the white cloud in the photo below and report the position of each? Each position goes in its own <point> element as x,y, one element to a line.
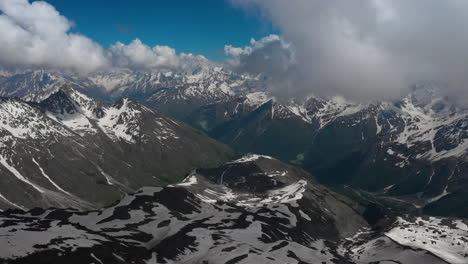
<point>374,48</point>
<point>267,55</point>
<point>138,56</point>
<point>270,56</point>
<point>36,35</point>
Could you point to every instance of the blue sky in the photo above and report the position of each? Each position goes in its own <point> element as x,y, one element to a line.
<point>200,27</point>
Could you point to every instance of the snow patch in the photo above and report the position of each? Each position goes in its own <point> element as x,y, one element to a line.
<point>432,235</point>
<point>250,157</point>
<point>190,180</point>
<point>48,178</point>
<point>18,175</point>
<point>120,123</point>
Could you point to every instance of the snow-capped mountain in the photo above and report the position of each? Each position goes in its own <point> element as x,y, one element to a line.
<point>417,146</point>
<point>215,81</point>
<point>163,90</point>
<point>177,93</point>
<point>70,150</point>
<point>414,147</point>
<point>36,85</point>
<point>251,210</point>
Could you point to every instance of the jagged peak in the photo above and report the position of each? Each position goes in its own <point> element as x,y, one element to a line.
<point>69,100</point>
<point>59,102</point>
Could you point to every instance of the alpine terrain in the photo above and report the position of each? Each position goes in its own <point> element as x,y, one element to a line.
<point>252,210</point>
<point>233,132</point>
<point>412,151</point>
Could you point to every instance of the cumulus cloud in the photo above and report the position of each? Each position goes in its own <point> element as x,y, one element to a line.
<point>138,56</point>
<point>270,54</point>
<point>370,49</point>
<point>36,35</point>
<point>271,57</point>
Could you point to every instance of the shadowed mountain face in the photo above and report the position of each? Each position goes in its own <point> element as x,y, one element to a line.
<point>70,150</point>
<point>252,210</point>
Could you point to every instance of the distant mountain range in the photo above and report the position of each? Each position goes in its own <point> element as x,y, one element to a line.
<point>252,210</point>
<point>413,151</point>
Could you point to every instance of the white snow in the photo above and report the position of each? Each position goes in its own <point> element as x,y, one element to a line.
<point>421,125</point>
<point>48,178</point>
<point>379,127</point>
<point>94,257</point>
<point>257,99</point>
<point>23,121</point>
<point>287,194</point>
<point>334,108</point>
<point>77,122</point>
<point>109,179</point>
<point>225,88</point>
<point>21,242</point>
<point>11,203</point>
<point>226,195</point>
<point>18,175</point>
<point>119,123</point>
<point>304,215</point>
<point>440,196</point>
<point>430,234</point>
<point>386,189</point>
<point>300,111</point>
<point>250,157</point>
<point>190,180</point>
<point>460,150</point>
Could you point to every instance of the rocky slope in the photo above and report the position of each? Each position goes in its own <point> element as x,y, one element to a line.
<point>252,210</point>
<point>70,150</point>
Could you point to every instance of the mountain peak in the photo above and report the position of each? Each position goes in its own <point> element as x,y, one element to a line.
<point>60,102</point>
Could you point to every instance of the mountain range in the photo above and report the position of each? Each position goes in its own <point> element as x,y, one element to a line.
<point>127,167</point>
<point>412,151</point>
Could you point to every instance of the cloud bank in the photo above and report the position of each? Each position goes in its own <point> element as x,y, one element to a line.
<point>36,35</point>
<point>363,50</point>
<point>372,49</point>
<point>138,56</point>
<point>271,54</point>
